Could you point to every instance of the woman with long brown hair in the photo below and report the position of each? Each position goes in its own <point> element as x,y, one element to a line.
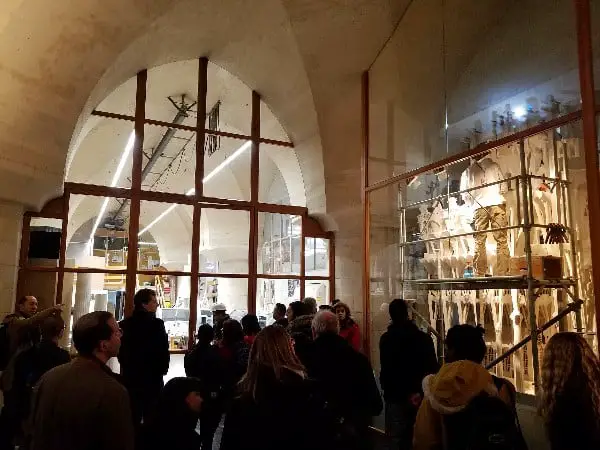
<point>274,393</point>
<point>570,400</point>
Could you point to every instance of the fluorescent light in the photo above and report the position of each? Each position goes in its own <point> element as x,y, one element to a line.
<point>519,112</point>
<point>159,218</point>
<point>113,183</point>
<point>124,157</point>
<point>98,219</point>
<point>245,146</point>
<point>227,161</point>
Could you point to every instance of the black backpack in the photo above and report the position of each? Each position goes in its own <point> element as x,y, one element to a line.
<point>487,423</point>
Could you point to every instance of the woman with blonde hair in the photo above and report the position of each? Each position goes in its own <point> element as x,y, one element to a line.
<point>274,391</point>
<point>570,400</point>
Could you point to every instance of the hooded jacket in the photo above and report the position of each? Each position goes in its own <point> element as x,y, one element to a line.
<point>449,392</point>
<point>300,329</point>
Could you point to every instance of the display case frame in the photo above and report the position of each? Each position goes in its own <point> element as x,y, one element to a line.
<point>440,288</point>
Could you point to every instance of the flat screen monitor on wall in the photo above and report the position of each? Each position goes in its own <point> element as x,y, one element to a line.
<point>44,244</point>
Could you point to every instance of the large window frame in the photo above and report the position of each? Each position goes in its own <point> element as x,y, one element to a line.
<point>59,208</point>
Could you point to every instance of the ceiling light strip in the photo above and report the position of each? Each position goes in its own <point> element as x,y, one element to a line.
<point>207,178</point>
<point>113,183</point>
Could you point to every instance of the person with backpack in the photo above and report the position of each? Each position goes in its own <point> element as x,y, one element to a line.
<point>31,364</point>
<point>464,406</point>
<point>18,332</point>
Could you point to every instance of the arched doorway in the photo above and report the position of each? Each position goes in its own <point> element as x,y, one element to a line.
<point>182,181</point>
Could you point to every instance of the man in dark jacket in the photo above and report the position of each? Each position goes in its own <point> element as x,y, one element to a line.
<point>82,405</point>
<point>345,376</point>
<point>31,364</point>
<point>144,355</point>
<point>407,356</point>
<point>22,331</point>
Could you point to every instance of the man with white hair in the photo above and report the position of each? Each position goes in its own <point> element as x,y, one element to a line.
<point>345,374</point>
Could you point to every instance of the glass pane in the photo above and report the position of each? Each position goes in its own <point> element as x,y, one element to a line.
<point>224,236</point>
<point>121,100</point>
<point>231,98</point>
<point>319,290</point>
<point>165,237</point>
<point>227,169</point>
<point>406,94</point>
<point>88,292</point>
<point>173,295</point>
<point>271,292</point>
<point>270,127</point>
<point>316,257</point>
<point>97,233</point>
<point>44,242</point>
<point>279,243</point>
<point>530,78</point>
<point>477,229</point>
<point>42,285</point>
<point>231,292</point>
<point>169,161</point>
<point>172,88</point>
<point>281,181</point>
<point>103,153</point>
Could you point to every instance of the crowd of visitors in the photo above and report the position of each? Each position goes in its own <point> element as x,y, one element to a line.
<point>300,383</point>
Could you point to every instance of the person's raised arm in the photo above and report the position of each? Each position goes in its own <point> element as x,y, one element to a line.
<point>38,318</point>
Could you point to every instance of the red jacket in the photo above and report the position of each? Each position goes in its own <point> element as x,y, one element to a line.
<point>351,333</point>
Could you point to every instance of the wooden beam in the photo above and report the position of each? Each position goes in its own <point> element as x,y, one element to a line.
<point>136,186</point>
<point>221,133</point>
<point>482,148</point>
<point>199,192</point>
<point>254,199</point>
<point>590,139</point>
<point>60,279</point>
<point>365,209</point>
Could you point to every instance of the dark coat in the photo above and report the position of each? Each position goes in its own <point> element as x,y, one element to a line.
<point>283,322</point>
<point>347,379</point>
<point>573,425</point>
<point>81,406</point>
<point>407,356</point>
<point>204,362</point>
<point>144,354</point>
<point>23,333</point>
<point>284,407</point>
<point>171,430</point>
<point>30,365</point>
<point>300,329</point>
<point>234,363</point>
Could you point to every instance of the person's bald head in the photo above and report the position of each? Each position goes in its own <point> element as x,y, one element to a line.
<point>325,322</point>
<point>27,305</point>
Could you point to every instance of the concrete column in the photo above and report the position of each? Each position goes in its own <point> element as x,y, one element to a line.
<point>11,219</point>
<point>67,300</point>
<point>83,292</point>
<point>101,302</point>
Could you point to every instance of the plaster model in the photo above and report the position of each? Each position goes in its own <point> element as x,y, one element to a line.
<point>490,212</point>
